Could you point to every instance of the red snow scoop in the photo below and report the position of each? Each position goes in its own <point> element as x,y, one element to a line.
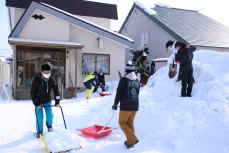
<point>102,94</point>
<point>96,131</point>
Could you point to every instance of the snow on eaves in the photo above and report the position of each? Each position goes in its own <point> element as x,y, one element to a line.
<point>91,23</point>
<point>160,59</point>
<point>162,5</point>
<point>145,8</point>
<point>22,40</point>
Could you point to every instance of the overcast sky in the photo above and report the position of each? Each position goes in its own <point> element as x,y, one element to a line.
<point>216,9</point>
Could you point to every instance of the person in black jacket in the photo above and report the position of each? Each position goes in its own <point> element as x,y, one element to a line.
<point>41,96</point>
<point>101,79</point>
<point>184,56</point>
<point>152,68</point>
<point>127,95</point>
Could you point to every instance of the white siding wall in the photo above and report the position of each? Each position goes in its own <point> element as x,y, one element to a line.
<point>89,40</point>
<point>50,28</point>
<point>99,21</point>
<point>139,24</point>
<point>70,67</point>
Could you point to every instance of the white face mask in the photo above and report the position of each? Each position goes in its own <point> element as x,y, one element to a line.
<point>46,76</point>
<point>170,49</point>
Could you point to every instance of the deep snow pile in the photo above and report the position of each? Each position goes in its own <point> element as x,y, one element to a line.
<point>165,123</point>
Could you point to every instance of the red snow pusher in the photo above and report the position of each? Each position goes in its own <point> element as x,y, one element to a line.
<point>102,94</point>
<point>96,131</point>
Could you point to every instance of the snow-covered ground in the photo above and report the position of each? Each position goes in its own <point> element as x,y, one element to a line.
<point>165,123</point>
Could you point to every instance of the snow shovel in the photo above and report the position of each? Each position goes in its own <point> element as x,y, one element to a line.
<point>104,93</point>
<point>63,137</point>
<point>98,131</point>
<point>172,70</point>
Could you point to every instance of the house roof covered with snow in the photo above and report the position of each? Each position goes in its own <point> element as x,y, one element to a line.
<point>73,19</point>
<point>76,7</point>
<point>187,25</point>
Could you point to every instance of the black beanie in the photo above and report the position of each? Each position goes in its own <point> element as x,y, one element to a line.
<point>45,67</point>
<point>169,43</point>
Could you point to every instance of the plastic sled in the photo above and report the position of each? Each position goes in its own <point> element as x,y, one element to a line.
<point>102,94</point>
<point>96,131</point>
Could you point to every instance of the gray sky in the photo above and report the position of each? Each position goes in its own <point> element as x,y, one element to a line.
<point>216,9</point>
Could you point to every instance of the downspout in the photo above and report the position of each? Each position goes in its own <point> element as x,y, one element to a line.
<point>11,28</point>
<point>14,58</point>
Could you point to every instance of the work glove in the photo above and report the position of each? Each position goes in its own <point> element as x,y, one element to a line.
<point>114,107</point>
<point>57,102</point>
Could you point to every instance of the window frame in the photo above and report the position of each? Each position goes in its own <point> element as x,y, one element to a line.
<point>96,55</point>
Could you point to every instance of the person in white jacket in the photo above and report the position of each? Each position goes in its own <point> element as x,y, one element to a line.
<point>170,46</point>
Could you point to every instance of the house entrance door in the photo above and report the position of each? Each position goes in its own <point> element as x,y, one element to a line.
<point>30,59</point>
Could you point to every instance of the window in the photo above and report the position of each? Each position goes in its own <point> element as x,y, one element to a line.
<point>96,62</point>
<point>144,40</point>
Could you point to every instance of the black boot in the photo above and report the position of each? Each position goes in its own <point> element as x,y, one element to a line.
<point>39,134</point>
<point>50,129</point>
<point>128,146</point>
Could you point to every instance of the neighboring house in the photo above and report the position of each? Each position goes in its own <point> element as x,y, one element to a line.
<point>42,33</point>
<point>153,27</point>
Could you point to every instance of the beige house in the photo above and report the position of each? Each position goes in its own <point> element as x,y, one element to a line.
<point>71,44</point>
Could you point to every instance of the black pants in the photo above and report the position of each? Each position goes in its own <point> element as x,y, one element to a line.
<point>186,82</point>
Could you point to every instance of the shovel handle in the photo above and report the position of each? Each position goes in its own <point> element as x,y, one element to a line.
<point>52,106</point>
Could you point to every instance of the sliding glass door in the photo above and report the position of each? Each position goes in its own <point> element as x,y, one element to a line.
<point>30,59</point>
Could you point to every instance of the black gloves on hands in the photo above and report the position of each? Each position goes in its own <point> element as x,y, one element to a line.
<point>114,107</point>
<point>57,102</point>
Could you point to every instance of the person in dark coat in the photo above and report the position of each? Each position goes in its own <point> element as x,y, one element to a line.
<point>101,79</point>
<point>152,68</point>
<point>40,92</point>
<point>184,56</point>
<point>127,96</point>
<point>170,45</point>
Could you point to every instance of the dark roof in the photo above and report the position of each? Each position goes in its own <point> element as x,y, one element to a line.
<point>188,26</point>
<point>73,19</point>
<point>76,7</point>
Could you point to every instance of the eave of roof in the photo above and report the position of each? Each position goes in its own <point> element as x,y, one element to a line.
<point>32,42</point>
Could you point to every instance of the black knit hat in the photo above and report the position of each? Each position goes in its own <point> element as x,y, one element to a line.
<point>182,45</point>
<point>45,67</point>
<point>169,43</point>
<point>146,50</point>
<point>95,73</point>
